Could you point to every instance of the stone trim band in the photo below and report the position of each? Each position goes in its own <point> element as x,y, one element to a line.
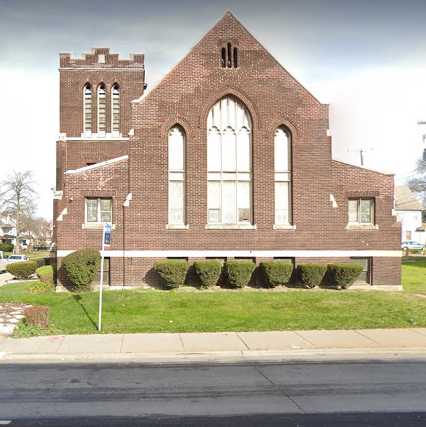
<point>245,253</point>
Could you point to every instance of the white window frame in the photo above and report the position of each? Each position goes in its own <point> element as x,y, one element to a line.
<point>230,116</point>
<point>115,100</point>
<point>98,210</point>
<point>176,175</point>
<point>372,211</point>
<point>101,87</point>
<point>87,109</point>
<point>283,175</point>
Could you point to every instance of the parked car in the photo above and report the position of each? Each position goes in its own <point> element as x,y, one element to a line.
<point>17,258</point>
<point>411,244</point>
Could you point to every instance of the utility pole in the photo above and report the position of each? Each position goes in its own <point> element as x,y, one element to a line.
<point>361,152</point>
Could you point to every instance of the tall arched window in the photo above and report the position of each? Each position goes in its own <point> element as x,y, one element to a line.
<point>87,108</point>
<point>229,163</point>
<point>176,166</point>
<point>115,108</point>
<point>283,167</point>
<point>101,108</point>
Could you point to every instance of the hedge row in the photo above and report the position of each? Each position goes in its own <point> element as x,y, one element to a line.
<point>22,270</point>
<point>238,273</point>
<point>80,269</point>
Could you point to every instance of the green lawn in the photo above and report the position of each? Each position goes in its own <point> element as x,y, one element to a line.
<point>171,311</point>
<point>414,274</point>
<point>177,311</point>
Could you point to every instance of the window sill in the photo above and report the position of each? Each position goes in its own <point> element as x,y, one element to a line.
<point>94,226</point>
<point>177,226</point>
<point>361,227</point>
<point>231,227</point>
<point>102,136</point>
<point>284,227</point>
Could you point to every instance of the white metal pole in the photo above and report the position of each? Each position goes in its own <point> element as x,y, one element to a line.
<point>101,282</point>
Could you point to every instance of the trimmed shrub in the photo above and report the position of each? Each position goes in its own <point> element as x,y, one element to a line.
<point>238,272</point>
<point>311,275</point>
<point>208,272</point>
<point>45,274</point>
<point>343,275</point>
<point>81,267</point>
<point>6,247</point>
<point>277,272</point>
<point>22,270</point>
<point>41,287</point>
<point>172,272</point>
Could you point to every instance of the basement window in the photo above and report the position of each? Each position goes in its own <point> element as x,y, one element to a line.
<point>365,275</point>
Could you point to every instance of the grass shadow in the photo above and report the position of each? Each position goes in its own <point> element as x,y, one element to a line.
<point>77,298</point>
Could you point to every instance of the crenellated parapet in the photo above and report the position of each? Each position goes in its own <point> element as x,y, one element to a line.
<point>102,58</point>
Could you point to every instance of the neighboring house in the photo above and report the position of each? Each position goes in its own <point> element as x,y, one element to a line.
<point>228,156</point>
<point>410,212</point>
<point>7,233</point>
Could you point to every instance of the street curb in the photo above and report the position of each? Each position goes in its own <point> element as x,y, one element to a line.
<point>311,356</point>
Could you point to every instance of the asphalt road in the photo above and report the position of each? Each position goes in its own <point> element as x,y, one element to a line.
<point>297,394</point>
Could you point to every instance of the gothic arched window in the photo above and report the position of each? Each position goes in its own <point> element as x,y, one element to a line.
<point>87,108</point>
<point>115,108</point>
<point>101,108</point>
<point>176,167</point>
<point>229,163</point>
<point>283,168</point>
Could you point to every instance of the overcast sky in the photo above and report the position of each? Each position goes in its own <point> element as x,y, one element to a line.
<point>367,58</point>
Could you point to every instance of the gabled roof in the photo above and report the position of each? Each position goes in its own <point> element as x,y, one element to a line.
<point>226,22</point>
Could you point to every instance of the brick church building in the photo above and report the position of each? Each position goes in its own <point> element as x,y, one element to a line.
<point>229,156</point>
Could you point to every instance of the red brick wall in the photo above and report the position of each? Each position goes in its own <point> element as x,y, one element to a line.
<point>110,181</point>
<point>75,73</point>
<point>78,153</point>
<point>185,96</point>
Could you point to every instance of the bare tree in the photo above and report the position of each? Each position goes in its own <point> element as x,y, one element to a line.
<point>38,230</point>
<point>17,200</point>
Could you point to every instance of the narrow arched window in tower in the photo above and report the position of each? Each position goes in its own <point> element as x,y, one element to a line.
<point>101,108</point>
<point>229,163</point>
<point>176,167</point>
<point>235,57</point>
<point>223,57</point>
<point>283,168</point>
<point>115,109</point>
<point>229,50</point>
<point>87,108</point>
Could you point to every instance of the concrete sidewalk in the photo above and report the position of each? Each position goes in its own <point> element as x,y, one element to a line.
<point>5,277</point>
<point>278,345</point>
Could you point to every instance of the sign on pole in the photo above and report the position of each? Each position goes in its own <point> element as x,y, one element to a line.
<point>106,241</point>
